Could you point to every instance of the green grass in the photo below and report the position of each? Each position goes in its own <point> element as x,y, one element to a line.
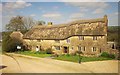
<point>30,53</point>
<point>84,59</point>
<point>65,57</point>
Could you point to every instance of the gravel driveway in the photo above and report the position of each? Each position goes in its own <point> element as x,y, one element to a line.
<point>28,64</point>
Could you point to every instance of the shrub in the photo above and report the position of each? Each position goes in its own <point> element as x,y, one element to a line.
<point>55,55</point>
<point>9,44</point>
<point>49,51</point>
<point>67,54</point>
<point>112,56</point>
<point>73,53</point>
<point>42,52</point>
<point>105,54</point>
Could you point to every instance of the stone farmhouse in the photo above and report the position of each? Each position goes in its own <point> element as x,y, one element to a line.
<point>88,36</point>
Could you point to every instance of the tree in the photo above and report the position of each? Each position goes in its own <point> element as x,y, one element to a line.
<point>16,23</point>
<point>41,23</point>
<point>9,44</point>
<point>28,22</point>
<point>20,23</point>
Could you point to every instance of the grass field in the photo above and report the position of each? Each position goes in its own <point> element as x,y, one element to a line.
<point>65,57</point>
<point>30,53</point>
<point>84,59</point>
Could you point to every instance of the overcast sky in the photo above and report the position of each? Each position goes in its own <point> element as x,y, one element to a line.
<point>59,12</point>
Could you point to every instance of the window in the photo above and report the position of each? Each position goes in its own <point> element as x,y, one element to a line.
<point>113,46</point>
<point>81,48</point>
<point>94,37</point>
<point>100,50</point>
<point>57,41</point>
<point>81,37</point>
<point>68,40</point>
<point>72,48</point>
<point>57,47</point>
<point>94,49</point>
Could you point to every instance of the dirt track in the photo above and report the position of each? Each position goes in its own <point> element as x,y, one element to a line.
<point>46,65</point>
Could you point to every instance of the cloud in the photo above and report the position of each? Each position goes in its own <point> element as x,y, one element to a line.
<point>15,5</point>
<point>32,15</point>
<point>76,15</point>
<point>80,0</point>
<point>55,7</point>
<point>52,15</point>
<point>40,8</point>
<point>94,7</point>
<point>88,0</point>
<point>116,13</point>
<point>91,5</point>
<point>98,11</point>
<point>83,9</point>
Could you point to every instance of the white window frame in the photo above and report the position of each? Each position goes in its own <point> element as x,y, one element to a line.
<point>81,48</point>
<point>95,37</point>
<point>81,37</point>
<point>94,49</point>
<point>68,40</point>
<point>57,48</point>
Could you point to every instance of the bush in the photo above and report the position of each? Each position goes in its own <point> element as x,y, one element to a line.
<point>49,51</point>
<point>42,52</point>
<point>112,56</point>
<point>105,54</point>
<point>67,54</point>
<point>9,44</point>
<point>55,55</point>
<point>73,53</point>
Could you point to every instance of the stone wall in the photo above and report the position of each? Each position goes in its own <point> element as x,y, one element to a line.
<point>72,44</point>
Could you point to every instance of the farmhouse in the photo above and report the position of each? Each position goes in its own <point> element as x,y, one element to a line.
<point>88,36</point>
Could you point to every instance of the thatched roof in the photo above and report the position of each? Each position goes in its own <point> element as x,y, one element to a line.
<point>63,31</point>
<point>16,35</point>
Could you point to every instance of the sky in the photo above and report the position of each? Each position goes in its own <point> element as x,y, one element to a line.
<point>59,12</point>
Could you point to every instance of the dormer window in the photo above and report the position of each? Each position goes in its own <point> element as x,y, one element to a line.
<point>68,40</point>
<point>94,37</point>
<point>81,37</point>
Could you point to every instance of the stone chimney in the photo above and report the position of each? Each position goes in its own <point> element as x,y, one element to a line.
<point>106,19</point>
<point>49,23</point>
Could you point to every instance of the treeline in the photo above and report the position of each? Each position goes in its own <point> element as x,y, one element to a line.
<point>113,33</point>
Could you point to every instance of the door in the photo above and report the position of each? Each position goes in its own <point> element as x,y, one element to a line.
<point>65,49</point>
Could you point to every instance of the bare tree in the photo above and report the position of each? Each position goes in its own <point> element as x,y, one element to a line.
<point>28,22</point>
<point>41,22</point>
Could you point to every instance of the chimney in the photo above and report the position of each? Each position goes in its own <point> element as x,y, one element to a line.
<point>106,19</point>
<point>49,23</point>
